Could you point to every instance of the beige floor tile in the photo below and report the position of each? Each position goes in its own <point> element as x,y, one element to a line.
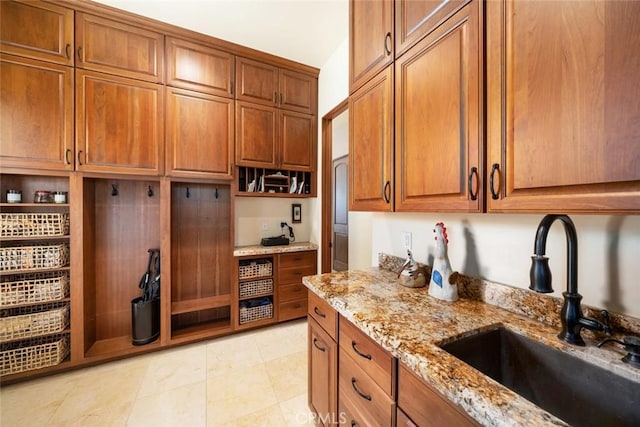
<point>174,368</point>
<point>296,412</point>
<point>267,417</point>
<point>288,375</point>
<point>232,353</point>
<point>182,406</point>
<point>284,340</point>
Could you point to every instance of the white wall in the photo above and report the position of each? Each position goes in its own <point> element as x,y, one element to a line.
<point>252,212</point>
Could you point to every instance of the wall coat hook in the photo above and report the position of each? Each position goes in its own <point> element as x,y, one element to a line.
<point>216,192</point>
<point>150,192</point>
<point>188,193</point>
<point>114,190</point>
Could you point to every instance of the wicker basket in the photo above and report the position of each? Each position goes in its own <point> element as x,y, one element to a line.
<point>34,224</point>
<point>251,269</point>
<point>256,287</point>
<point>33,354</point>
<point>33,321</point>
<point>252,314</point>
<point>34,288</point>
<point>40,257</point>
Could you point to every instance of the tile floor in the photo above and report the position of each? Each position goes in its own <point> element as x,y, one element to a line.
<point>255,378</point>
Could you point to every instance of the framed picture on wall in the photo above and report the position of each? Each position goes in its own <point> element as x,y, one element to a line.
<point>296,212</point>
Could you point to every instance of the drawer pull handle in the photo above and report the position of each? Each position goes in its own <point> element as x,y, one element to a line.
<point>315,343</point>
<point>361,354</point>
<point>362,395</point>
<point>315,310</point>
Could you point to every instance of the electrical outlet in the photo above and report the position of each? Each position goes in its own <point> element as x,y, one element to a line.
<point>406,239</point>
<point>265,226</point>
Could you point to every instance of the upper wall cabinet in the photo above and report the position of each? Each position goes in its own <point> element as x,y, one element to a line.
<point>414,19</point>
<point>119,124</point>
<point>38,30</point>
<point>268,85</point>
<point>117,48</point>
<point>438,141</point>
<point>370,40</point>
<point>563,123</point>
<point>36,127</point>
<point>200,68</point>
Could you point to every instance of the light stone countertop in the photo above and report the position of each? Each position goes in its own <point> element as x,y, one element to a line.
<point>411,325</point>
<point>268,250</point>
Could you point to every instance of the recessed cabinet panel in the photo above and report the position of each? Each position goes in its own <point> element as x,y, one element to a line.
<point>199,134</point>
<point>298,136</point>
<point>438,138</point>
<point>36,128</point>
<point>561,139</point>
<point>371,145</point>
<point>256,81</point>
<point>37,30</point>
<point>118,48</point>
<point>298,92</point>
<point>119,124</point>
<point>256,135</point>
<point>201,68</point>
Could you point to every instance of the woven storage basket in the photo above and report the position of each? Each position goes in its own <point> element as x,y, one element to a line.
<point>34,224</point>
<point>251,314</point>
<point>34,288</point>
<point>256,287</point>
<point>33,321</point>
<point>253,269</point>
<point>33,354</point>
<point>17,258</point>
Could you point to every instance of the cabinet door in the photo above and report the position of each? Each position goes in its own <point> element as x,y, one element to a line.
<point>417,18</point>
<point>256,82</point>
<point>297,141</point>
<point>199,134</point>
<point>370,39</point>
<point>37,30</point>
<point>323,374</point>
<point>36,128</point>
<point>563,119</point>
<point>256,135</point>
<point>119,124</point>
<point>201,68</point>
<point>298,92</point>
<point>117,48</point>
<point>371,145</point>
<point>438,124</point>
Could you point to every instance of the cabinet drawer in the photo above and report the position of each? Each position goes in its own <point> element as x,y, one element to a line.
<point>362,394</point>
<point>292,292</point>
<point>324,314</point>
<point>402,420</point>
<point>372,358</point>
<point>292,309</point>
<point>425,406</point>
<point>292,275</point>
<point>297,259</point>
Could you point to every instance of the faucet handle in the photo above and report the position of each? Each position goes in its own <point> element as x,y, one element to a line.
<point>606,321</point>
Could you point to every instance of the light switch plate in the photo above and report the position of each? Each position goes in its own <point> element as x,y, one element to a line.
<point>406,239</point>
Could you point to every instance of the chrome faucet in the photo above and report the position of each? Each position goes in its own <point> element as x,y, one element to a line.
<point>540,276</point>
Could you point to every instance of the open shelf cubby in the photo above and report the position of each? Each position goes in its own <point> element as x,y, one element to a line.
<point>274,182</point>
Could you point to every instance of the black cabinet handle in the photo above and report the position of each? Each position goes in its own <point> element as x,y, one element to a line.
<point>80,53</point>
<point>353,423</point>
<point>315,310</point>
<point>385,189</point>
<point>387,43</point>
<point>361,354</point>
<point>494,168</point>
<point>66,156</point>
<point>80,157</point>
<point>315,343</point>
<point>67,51</point>
<point>472,195</point>
<point>362,395</point>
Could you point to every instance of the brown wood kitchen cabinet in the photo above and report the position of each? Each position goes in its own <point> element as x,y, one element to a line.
<point>562,108</point>
<point>371,145</point>
<point>371,40</point>
<point>420,405</point>
<point>37,114</point>
<point>292,294</point>
<point>119,124</point>
<point>119,48</point>
<point>323,361</point>
<point>53,40</point>
<point>438,111</point>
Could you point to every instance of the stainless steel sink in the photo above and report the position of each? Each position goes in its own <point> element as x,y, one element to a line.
<point>578,392</point>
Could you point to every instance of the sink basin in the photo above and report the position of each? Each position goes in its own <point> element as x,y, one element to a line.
<point>578,392</point>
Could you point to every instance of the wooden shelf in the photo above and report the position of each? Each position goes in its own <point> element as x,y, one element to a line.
<point>34,205</point>
<point>266,294</point>
<point>33,270</point>
<point>202,330</point>
<point>187,306</point>
<point>275,180</point>
<point>33,238</point>
<point>256,323</point>
<point>118,346</point>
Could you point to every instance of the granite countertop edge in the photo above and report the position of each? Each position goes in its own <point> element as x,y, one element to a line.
<point>250,250</point>
<point>411,325</point>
